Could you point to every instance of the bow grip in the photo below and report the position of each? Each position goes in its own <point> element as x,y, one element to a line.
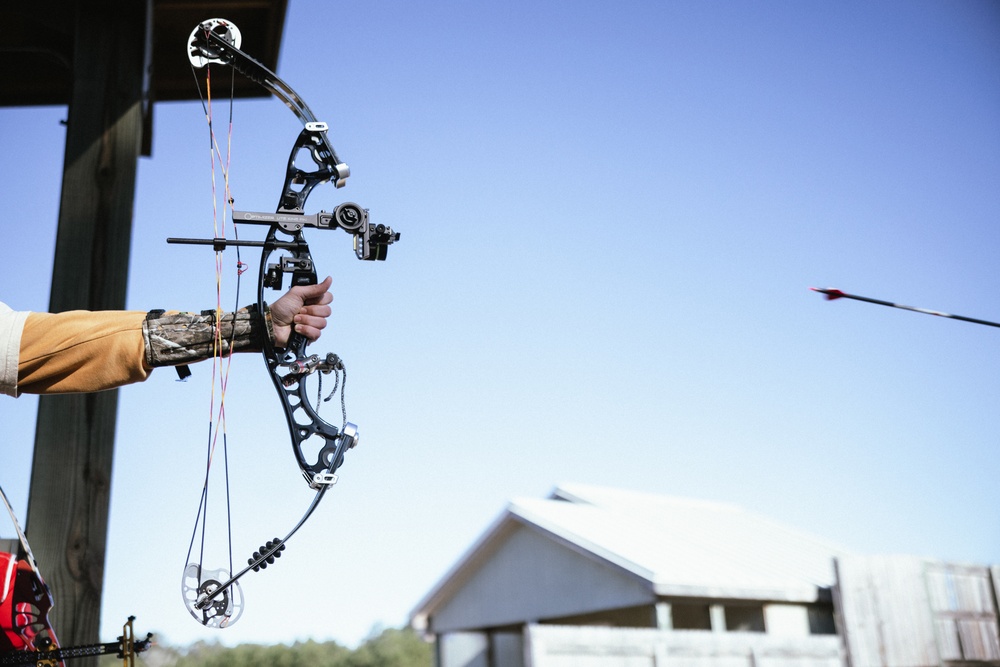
<point>296,348</point>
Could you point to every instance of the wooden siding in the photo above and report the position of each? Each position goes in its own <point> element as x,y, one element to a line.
<point>965,615</point>
<point>904,611</point>
<point>886,612</point>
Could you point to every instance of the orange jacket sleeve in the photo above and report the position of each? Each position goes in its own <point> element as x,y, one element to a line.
<point>81,351</point>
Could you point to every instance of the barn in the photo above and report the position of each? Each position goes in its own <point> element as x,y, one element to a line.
<point>593,576</point>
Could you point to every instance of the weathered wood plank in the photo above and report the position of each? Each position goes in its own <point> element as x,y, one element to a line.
<point>71,471</point>
<point>886,612</point>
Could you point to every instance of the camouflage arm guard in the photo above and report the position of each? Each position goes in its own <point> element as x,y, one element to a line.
<point>174,339</point>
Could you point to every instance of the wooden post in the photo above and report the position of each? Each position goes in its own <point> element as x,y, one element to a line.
<point>74,443</point>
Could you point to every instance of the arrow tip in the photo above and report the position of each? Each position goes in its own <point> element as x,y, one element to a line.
<point>830,292</point>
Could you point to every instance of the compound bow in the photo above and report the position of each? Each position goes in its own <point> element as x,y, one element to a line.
<point>214,597</point>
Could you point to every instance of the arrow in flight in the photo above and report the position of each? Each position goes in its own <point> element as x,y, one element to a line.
<point>834,294</point>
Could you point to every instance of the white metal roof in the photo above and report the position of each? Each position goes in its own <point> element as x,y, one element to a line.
<point>678,546</point>
<point>685,546</point>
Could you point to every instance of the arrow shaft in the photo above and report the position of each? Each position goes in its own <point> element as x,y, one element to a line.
<point>837,294</point>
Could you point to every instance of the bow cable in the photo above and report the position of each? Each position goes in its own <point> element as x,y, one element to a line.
<point>221,359</point>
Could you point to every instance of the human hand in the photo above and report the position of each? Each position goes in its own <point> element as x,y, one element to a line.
<point>304,308</point>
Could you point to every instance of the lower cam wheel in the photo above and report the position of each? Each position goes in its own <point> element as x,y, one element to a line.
<point>222,610</point>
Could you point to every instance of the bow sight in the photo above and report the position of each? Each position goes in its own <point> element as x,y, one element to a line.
<point>371,242</point>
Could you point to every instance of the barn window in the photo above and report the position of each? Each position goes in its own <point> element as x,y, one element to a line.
<point>821,620</point>
<point>690,616</point>
<point>745,618</point>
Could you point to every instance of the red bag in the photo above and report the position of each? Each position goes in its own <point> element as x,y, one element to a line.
<point>24,606</point>
<point>25,600</point>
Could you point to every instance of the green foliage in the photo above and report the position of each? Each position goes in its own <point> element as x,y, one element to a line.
<point>385,648</point>
<point>329,654</point>
<point>391,648</point>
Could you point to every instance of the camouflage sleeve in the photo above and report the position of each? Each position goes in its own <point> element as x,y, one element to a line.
<point>174,339</point>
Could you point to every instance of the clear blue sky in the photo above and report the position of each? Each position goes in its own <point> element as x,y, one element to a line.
<point>611,216</point>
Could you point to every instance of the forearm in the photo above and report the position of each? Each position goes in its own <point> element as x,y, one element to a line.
<point>84,351</point>
<point>173,338</point>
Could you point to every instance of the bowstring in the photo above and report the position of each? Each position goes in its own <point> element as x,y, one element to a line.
<point>227,209</point>
<point>221,358</point>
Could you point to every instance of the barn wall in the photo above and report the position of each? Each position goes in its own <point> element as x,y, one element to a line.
<point>531,577</point>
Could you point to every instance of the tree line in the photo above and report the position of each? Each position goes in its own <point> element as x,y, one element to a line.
<point>386,648</point>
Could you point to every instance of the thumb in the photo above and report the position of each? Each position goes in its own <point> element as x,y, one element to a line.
<point>316,289</point>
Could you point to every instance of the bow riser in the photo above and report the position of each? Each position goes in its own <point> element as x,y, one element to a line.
<point>289,367</point>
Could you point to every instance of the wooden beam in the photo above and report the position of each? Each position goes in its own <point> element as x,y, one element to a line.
<point>74,441</point>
